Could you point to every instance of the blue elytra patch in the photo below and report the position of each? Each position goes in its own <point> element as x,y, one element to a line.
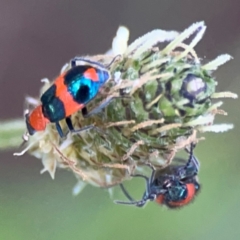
<point>81,88</point>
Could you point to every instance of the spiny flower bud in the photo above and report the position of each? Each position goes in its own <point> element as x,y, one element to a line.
<point>159,97</point>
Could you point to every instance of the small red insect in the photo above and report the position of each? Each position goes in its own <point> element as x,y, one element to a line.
<point>70,92</point>
<point>174,186</point>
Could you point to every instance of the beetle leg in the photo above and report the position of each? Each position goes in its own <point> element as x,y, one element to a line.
<point>97,109</point>
<point>126,193</point>
<point>71,128</point>
<point>59,129</point>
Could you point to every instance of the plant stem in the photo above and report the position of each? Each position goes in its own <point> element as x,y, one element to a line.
<point>10,133</point>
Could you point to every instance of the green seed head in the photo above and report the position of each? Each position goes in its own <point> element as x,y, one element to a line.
<point>161,97</point>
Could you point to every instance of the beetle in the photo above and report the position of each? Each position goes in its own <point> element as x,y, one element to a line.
<point>69,93</point>
<point>174,186</point>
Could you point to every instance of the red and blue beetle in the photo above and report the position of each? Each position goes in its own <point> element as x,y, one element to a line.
<point>174,186</point>
<point>70,92</point>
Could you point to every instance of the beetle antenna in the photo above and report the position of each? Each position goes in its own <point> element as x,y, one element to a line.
<point>117,57</point>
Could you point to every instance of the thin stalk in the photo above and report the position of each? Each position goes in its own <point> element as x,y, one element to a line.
<point>10,133</point>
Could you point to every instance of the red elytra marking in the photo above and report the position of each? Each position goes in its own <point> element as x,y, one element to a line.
<point>37,120</point>
<point>60,86</point>
<point>160,199</point>
<point>91,74</point>
<point>191,193</point>
<point>70,106</point>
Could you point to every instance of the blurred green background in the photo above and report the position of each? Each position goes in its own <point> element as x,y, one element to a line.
<point>36,39</point>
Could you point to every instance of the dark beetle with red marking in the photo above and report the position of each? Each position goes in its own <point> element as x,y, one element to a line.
<point>70,92</point>
<point>174,186</point>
